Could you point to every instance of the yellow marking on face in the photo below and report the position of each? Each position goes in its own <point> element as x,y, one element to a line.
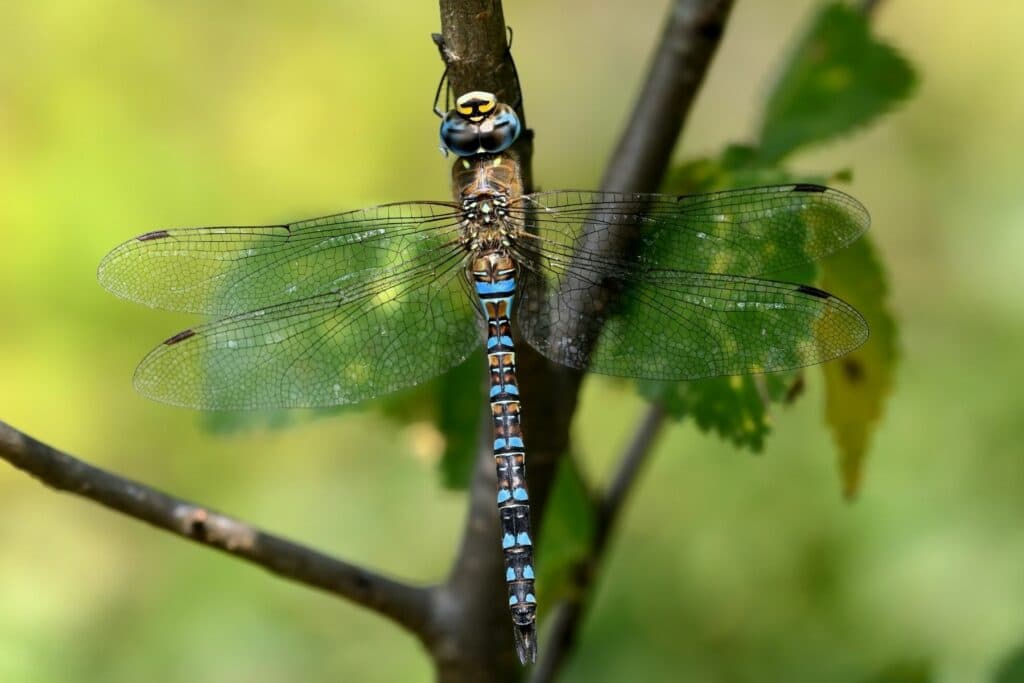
<point>476,104</point>
<point>497,161</point>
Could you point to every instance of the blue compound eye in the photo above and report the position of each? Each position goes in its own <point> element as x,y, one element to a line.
<point>503,131</point>
<point>460,137</point>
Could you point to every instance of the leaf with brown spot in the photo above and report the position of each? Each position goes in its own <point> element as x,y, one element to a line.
<point>857,385</point>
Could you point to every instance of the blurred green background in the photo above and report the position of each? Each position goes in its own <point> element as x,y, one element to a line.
<point>119,117</point>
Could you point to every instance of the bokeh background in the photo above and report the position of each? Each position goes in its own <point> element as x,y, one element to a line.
<point>118,117</point>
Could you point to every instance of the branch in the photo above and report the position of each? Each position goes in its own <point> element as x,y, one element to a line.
<point>470,634</point>
<point>688,42</point>
<point>472,638</point>
<point>567,617</point>
<point>407,605</point>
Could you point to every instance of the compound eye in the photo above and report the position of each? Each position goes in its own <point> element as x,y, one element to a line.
<point>460,137</point>
<point>503,133</point>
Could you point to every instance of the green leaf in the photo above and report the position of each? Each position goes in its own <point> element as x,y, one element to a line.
<point>567,534</point>
<point>839,78</point>
<point>735,408</point>
<point>857,385</point>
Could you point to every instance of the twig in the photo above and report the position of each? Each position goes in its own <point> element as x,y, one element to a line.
<point>688,42</point>
<point>405,604</point>
<point>626,474</point>
<point>567,616</point>
<point>691,35</point>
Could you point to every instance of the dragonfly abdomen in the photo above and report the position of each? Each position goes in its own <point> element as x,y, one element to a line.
<point>494,277</point>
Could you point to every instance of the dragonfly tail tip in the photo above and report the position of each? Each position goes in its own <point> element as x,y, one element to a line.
<point>526,644</point>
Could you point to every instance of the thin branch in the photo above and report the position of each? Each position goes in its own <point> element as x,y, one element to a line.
<point>688,42</point>
<point>405,604</point>
<point>567,617</point>
<point>626,474</point>
<point>690,37</point>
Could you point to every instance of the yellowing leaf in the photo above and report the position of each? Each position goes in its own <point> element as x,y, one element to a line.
<point>858,384</point>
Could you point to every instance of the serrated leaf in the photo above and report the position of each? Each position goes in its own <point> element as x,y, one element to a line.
<point>738,166</point>
<point>839,78</point>
<point>735,408</point>
<point>567,534</point>
<point>858,384</point>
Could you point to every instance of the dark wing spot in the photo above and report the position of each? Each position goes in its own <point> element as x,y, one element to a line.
<point>181,336</point>
<point>155,235</point>
<point>808,187</point>
<point>813,291</point>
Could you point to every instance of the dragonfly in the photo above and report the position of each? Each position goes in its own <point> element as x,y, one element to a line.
<point>347,307</point>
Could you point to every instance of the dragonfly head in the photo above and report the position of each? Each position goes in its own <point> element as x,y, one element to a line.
<point>479,124</point>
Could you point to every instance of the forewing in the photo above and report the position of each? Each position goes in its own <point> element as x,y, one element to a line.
<point>228,270</point>
<point>366,340</point>
<point>748,232</point>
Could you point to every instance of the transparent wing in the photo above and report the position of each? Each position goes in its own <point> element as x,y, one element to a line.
<point>672,325</point>
<point>743,232</point>
<point>371,338</point>
<point>222,271</point>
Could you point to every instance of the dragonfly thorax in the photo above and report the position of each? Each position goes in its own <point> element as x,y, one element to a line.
<point>486,226</point>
